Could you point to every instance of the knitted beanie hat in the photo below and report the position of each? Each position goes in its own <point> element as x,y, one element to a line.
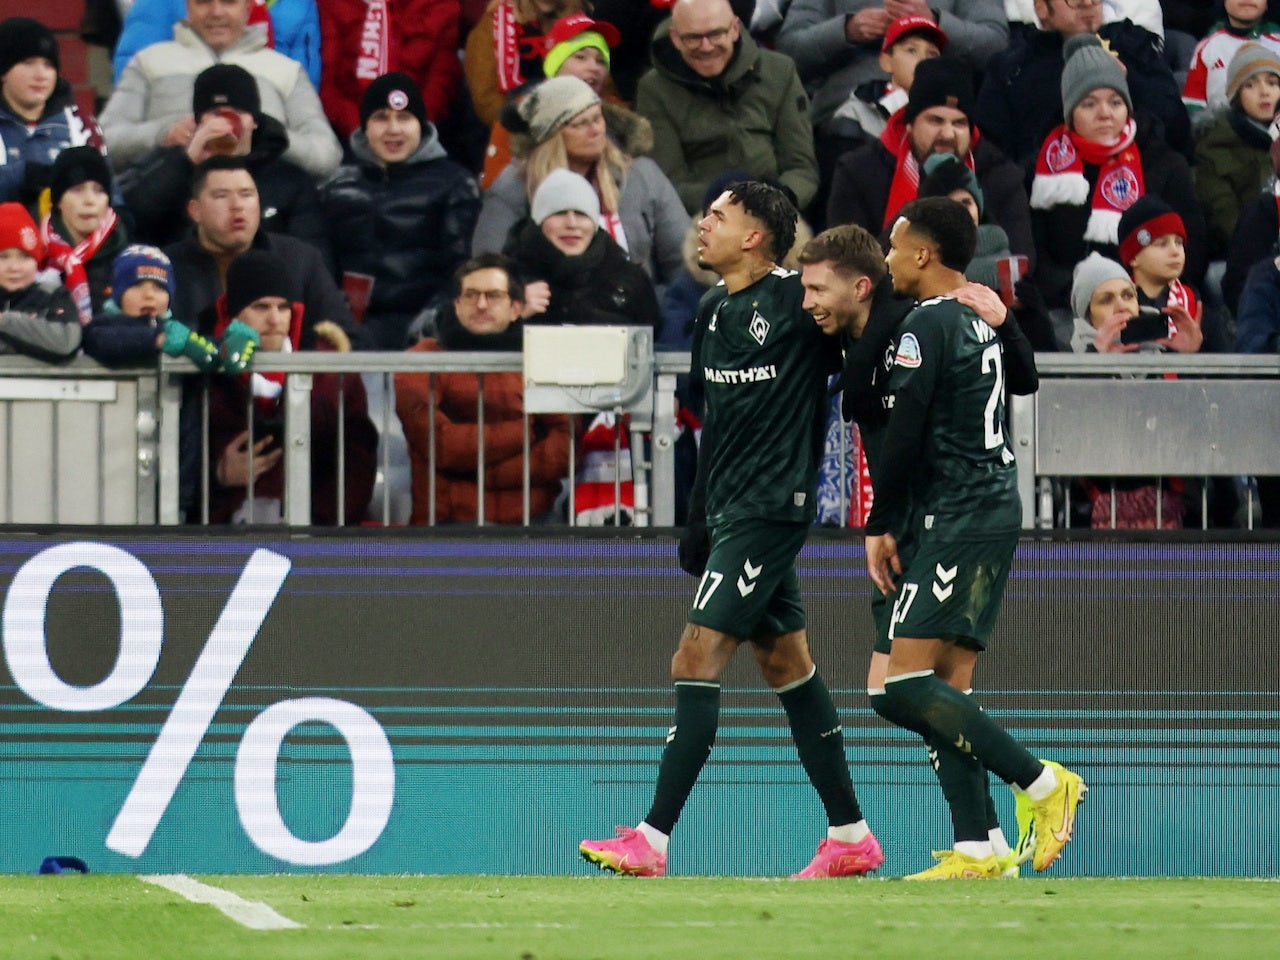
<point>256,274</point>
<point>77,165</point>
<point>1250,60</point>
<point>940,82</point>
<point>136,263</point>
<point>944,172</point>
<point>573,33</point>
<point>225,85</point>
<point>1088,66</point>
<point>394,91</point>
<point>1149,219</point>
<point>1090,273</point>
<point>17,229</point>
<point>22,38</point>
<point>564,190</point>
<point>548,107</point>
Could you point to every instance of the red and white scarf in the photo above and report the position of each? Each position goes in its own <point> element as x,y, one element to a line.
<point>906,174</point>
<point>513,40</point>
<point>70,260</point>
<point>1060,180</point>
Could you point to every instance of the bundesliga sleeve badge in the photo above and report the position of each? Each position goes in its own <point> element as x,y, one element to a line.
<point>908,354</point>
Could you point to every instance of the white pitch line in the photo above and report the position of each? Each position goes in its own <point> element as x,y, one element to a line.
<point>248,913</point>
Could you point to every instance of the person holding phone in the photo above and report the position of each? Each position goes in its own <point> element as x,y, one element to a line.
<point>1110,319</point>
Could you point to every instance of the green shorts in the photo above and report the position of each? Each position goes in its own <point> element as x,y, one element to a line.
<point>750,588</point>
<point>952,590</point>
<point>882,606</point>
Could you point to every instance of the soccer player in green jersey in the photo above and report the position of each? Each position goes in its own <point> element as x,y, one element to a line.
<point>764,365</point>
<point>850,296</point>
<point>945,458</point>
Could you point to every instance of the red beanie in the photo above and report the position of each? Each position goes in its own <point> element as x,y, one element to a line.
<point>17,229</point>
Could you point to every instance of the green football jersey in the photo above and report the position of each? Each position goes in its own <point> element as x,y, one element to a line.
<point>950,362</point>
<point>764,366</point>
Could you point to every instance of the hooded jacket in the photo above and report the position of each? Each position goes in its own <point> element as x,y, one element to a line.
<point>156,87</point>
<point>754,117</point>
<point>408,225</point>
<point>653,217</point>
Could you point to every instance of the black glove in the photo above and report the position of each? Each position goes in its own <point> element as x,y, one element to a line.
<point>695,548</point>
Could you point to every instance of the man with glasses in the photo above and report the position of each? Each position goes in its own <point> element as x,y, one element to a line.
<point>1020,99</point>
<point>718,102</point>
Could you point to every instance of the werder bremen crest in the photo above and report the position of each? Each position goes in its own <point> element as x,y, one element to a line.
<point>759,327</point>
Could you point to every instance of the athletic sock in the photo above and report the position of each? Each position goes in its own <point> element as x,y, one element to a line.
<point>891,710</point>
<point>978,849</point>
<point>849,832</point>
<point>689,743</point>
<point>964,784</point>
<point>999,843</point>
<point>815,727</point>
<point>1042,785</point>
<point>960,722</point>
<point>657,839</point>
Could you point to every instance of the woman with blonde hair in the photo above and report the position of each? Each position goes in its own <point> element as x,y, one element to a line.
<point>562,124</point>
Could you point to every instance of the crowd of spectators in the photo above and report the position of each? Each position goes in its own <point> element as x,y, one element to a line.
<point>368,150</point>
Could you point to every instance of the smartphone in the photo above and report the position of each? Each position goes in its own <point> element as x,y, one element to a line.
<point>273,428</point>
<point>1149,324</point>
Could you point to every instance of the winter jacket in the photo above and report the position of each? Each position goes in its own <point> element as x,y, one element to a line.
<point>457,437</point>
<point>229,398</point>
<point>1233,162</point>
<point>39,321</point>
<point>363,40</point>
<point>155,92</point>
<point>653,218</point>
<point>199,283</point>
<point>480,61</point>
<point>157,187</point>
<point>27,151</point>
<point>599,286</point>
<point>1059,230</point>
<point>864,175</point>
<point>1020,101</point>
<point>813,34</point>
<point>1258,320</point>
<point>117,339</point>
<point>295,31</point>
<point>408,225</point>
<point>754,117</point>
<point>1254,241</point>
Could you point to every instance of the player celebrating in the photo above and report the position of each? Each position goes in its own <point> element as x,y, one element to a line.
<point>945,458</point>
<point>764,364</point>
<point>850,296</point>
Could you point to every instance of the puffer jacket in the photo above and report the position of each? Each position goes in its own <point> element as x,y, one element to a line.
<point>754,117</point>
<point>408,225</point>
<point>1233,162</point>
<point>28,150</point>
<point>39,321</point>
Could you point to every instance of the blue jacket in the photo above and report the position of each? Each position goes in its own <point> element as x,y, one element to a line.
<point>1258,322</point>
<point>295,25</point>
<point>29,152</point>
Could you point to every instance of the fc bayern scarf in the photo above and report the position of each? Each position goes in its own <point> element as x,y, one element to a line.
<point>513,41</point>
<point>1060,180</point>
<point>70,260</point>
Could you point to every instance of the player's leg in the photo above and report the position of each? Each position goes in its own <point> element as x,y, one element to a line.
<point>958,596</point>
<point>698,662</point>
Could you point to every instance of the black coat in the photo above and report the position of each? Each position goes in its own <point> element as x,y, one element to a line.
<point>1059,231</point>
<point>407,225</point>
<point>599,286</point>
<point>860,192</point>
<point>1021,96</point>
<point>157,187</point>
<point>1253,242</point>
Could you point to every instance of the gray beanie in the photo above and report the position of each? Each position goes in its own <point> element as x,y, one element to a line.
<point>564,190</point>
<point>549,106</point>
<point>1086,67</point>
<point>1090,272</point>
<point>1250,60</point>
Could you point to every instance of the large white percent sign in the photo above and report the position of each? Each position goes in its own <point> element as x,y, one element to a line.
<point>141,637</point>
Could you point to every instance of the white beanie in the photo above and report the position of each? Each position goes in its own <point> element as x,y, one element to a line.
<point>563,190</point>
<point>548,107</point>
<point>1089,274</point>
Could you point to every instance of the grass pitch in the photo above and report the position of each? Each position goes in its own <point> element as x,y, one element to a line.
<point>556,918</point>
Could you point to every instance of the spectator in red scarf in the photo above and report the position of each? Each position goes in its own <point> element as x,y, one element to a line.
<point>504,50</point>
<point>1095,165</point>
<point>82,233</point>
<point>873,182</point>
